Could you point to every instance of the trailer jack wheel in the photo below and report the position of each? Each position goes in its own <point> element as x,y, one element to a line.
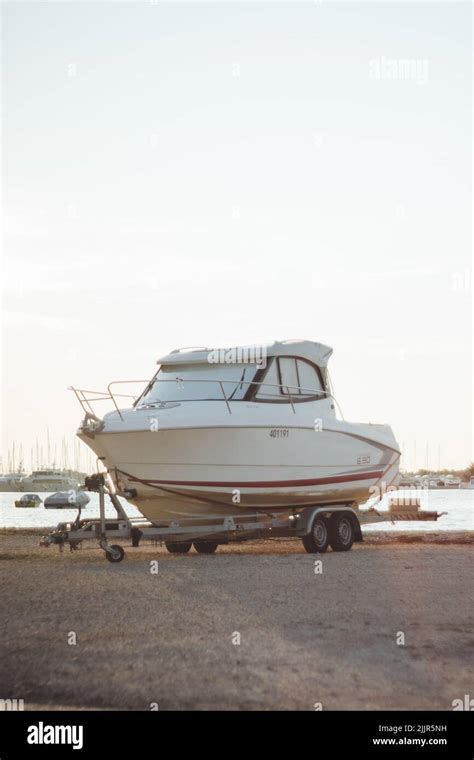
<point>114,553</point>
<point>317,540</point>
<point>341,533</point>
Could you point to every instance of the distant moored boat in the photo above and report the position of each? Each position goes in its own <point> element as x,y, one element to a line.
<point>66,500</point>
<point>28,501</point>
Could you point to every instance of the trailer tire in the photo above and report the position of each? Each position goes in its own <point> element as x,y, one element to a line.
<point>317,540</point>
<point>341,532</point>
<point>205,547</point>
<point>178,548</point>
<point>118,553</point>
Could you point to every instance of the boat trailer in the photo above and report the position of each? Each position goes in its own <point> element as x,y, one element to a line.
<point>337,525</point>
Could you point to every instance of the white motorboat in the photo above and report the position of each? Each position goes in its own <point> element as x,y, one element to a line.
<point>218,436</point>
<point>452,481</point>
<point>50,480</point>
<point>11,481</point>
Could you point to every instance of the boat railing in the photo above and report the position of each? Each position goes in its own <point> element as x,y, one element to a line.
<point>87,397</point>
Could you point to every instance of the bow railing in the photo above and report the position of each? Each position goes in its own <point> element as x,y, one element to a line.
<point>293,394</point>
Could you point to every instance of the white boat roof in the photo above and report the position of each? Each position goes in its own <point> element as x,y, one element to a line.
<point>305,349</point>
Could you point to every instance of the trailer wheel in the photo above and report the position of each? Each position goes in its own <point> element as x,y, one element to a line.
<point>181,548</point>
<point>341,533</point>
<point>115,553</point>
<point>205,547</point>
<point>316,542</point>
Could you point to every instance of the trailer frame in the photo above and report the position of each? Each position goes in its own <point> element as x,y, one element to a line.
<point>342,523</point>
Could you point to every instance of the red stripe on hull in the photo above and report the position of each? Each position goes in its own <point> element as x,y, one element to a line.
<point>263,483</point>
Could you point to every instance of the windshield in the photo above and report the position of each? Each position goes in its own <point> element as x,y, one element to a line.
<point>198,382</point>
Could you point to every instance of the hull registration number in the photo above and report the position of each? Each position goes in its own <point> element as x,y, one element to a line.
<point>279,433</point>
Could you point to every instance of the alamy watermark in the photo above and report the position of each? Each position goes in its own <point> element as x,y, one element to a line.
<point>11,705</point>
<point>466,703</point>
<point>48,734</point>
<point>239,355</point>
<point>399,69</point>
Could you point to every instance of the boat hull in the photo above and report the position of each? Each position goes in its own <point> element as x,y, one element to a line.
<point>223,470</point>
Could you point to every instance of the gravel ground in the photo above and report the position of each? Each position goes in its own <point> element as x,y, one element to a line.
<point>305,637</point>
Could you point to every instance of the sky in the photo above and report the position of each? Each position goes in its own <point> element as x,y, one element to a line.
<point>179,174</point>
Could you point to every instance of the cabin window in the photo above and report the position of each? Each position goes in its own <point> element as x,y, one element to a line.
<point>271,381</point>
<point>289,376</point>
<point>308,377</point>
<point>198,382</point>
<point>293,380</point>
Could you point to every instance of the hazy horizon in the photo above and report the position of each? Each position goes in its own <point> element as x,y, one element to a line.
<point>224,174</point>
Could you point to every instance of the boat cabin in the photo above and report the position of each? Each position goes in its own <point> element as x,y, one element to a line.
<point>284,372</point>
